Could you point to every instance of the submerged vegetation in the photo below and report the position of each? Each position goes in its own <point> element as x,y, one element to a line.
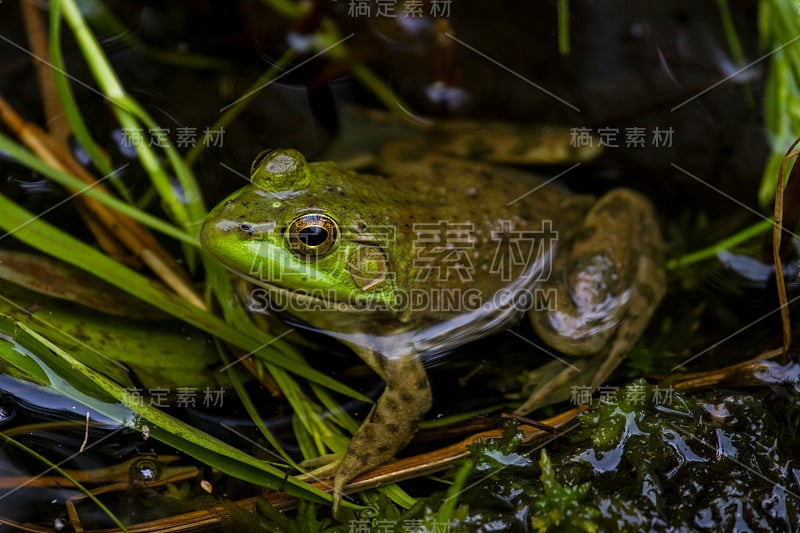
<point>712,461</point>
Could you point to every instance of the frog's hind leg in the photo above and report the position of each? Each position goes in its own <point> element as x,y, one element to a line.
<point>393,421</point>
<point>638,268</point>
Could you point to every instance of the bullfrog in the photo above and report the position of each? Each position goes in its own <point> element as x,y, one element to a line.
<point>440,245</point>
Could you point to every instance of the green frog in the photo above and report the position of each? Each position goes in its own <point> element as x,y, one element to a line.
<point>436,249</point>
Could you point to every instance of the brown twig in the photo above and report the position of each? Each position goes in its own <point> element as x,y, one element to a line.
<point>57,123</point>
<point>134,237</point>
<point>777,230</point>
<point>114,232</point>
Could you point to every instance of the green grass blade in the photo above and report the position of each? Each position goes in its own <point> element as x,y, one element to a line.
<point>287,8</point>
<point>48,239</point>
<point>250,407</point>
<point>26,158</point>
<point>71,110</point>
<point>779,27</point>
<point>102,19</point>
<point>725,244</point>
<point>563,27</point>
<point>307,412</point>
<point>240,105</point>
<point>186,208</point>
<point>179,434</point>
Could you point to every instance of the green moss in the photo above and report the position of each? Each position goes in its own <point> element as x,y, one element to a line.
<point>561,506</point>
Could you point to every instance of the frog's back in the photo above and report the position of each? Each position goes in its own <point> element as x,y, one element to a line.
<point>467,237</point>
<point>489,202</point>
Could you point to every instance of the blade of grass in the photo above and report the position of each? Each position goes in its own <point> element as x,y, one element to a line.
<point>777,231</point>
<point>136,239</point>
<point>725,244</point>
<point>72,111</point>
<point>337,414</point>
<point>37,39</point>
<point>328,40</point>
<point>250,407</point>
<point>186,208</point>
<point>730,31</point>
<point>308,413</point>
<point>446,513</point>
<point>287,8</point>
<point>26,158</point>
<point>173,431</point>
<point>734,45</point>
<point>56,243</point>
<point>563,27</point>
<point>104,20</point>
<point>779,27</point>
<point>13,354</point>
<point>84,352</point>
<point>308,443</point>
<point>236,108</point>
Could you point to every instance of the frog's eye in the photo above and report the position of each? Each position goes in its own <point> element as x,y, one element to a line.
<point>259,158</point>
<point>312,235</point>
<point>279,170</point>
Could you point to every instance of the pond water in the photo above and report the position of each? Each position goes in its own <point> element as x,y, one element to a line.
<point>646,80</point>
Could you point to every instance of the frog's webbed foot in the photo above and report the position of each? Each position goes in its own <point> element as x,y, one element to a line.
<point>555,382</point>
<point>391,424</point>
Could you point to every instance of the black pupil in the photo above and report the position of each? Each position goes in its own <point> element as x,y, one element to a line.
<point>313,235</point>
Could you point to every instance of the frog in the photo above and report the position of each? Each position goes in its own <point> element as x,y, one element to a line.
<point>441,244</point>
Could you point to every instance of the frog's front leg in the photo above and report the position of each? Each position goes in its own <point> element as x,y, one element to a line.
<point>393,420</point>
<point>607,284</point>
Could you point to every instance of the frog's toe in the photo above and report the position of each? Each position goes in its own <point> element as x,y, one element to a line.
<point>337,499</point>
<point>377,441</point>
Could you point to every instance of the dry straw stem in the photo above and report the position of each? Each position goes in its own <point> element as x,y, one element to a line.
<point>777,230</point>
<point>134,237</point>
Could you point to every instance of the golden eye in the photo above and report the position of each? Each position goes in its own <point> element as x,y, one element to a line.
<point>312,235</point>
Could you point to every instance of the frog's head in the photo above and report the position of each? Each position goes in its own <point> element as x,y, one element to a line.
<point>294,228</point>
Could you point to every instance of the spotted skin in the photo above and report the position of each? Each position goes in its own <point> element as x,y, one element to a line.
<point>392,422</point>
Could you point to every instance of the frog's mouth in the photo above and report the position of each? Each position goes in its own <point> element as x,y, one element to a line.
<point>284,299</point>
